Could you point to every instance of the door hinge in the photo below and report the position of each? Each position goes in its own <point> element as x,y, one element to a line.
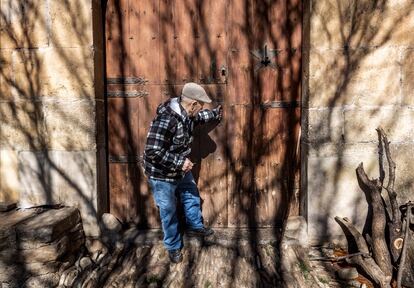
<point>127,80</point>
<point>125,159</point>
<point>126,94</point>
<point>280,104</point>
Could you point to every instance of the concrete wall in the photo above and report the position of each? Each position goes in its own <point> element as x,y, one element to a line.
<point>51,105</point>
<point>358,75</point>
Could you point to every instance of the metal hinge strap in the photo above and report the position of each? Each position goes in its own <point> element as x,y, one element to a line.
<point>126,94</point>
<point>125,159</point>
<point>280,104</point>
<point>127,80</point>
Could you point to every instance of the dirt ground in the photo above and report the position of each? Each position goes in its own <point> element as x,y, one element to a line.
<point>204,265</point>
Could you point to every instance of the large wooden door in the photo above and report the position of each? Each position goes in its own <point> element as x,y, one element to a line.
<point>247,55</point>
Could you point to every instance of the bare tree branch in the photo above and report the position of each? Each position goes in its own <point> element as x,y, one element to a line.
<point>395,225</point>
<point>372,188</point>
<point>366,263</point>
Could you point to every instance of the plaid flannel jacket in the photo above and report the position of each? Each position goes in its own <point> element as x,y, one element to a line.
<point>168,141</point>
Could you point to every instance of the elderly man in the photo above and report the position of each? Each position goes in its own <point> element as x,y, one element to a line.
<point>168,167</point>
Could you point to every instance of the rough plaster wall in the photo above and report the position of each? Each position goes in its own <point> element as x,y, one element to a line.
<point>51,104</point>
<point>359,75</point>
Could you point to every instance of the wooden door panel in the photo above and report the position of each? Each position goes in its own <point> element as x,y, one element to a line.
<point>211,171</point>
<point>117,45</point>
<point>123,203</point>
<point>239,23</point>
<point>212,50</point>
<point>123,126</point>
<point>269,23</point>
<point>144,39</point>
<point>270,177</point>
<point>119,200</point>
<point>167,53</point>
<point>185,40</point>
<point>240,85</point>
<point>239,153</point>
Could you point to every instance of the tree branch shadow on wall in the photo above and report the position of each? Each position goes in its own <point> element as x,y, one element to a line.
<point>26,108</point>
<point>46,105</point>
<point>344,87</point>
<point>367,27</point>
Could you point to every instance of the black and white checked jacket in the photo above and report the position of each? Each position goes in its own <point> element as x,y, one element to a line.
<point>168,141</point>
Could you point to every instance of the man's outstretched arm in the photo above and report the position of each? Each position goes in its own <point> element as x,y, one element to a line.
<point>205,116</point>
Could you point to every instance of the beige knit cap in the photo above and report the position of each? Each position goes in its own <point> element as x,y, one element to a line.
<point>196,92</point>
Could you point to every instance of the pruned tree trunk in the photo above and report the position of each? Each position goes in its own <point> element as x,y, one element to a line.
<point>386,238</point>
<point>395,228</point>
<point>379,247</point>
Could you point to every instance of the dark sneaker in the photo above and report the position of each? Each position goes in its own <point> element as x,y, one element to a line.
<point>203,232</point>
<point>175,256</point>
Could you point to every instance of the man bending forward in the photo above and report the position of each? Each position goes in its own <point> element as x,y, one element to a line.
<point>168,167</point>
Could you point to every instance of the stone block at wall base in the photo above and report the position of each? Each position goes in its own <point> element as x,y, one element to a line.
<point>37,243</point>
<point>61,177</point>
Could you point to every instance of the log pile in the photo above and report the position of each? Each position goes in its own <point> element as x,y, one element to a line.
<point>37,244</point>
<point>381,252</point>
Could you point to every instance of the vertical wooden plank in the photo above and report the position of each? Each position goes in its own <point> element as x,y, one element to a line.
<point>118,203</point>
<point>211,42</point>
<point>295,31</point>
<point>117,65</point>
<point>117,42</point>
<point>294,16</point>
<point>132,194</point>
<point>270,173</point>
<point>186,30</point>
<point>240,95</point>
<point>123,138</point>
<point>123,126</point>
<point>240,64</point>
<point>269,24</point>
<point>259,163</point>
<point>240,173</point>
<point>270,39</point>
<point>252,85</point>
<point>211,158</point>
<point>167,55</point>
<point>145,40</point>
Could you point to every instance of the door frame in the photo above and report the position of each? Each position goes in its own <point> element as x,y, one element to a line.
<point>99,34</point>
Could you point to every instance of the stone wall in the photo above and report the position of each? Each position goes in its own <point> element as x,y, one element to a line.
<point>51,105</point>
<point>358,75</point>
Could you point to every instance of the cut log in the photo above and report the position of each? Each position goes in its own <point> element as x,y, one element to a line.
<point>367,264</point>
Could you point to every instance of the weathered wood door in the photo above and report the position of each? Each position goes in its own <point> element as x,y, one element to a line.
<point>247,55</point>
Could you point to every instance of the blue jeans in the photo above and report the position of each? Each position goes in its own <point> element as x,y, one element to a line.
<point>165,194</point>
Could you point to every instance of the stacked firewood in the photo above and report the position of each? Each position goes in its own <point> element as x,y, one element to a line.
<point>381,253</point>
<point>37,244</point>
